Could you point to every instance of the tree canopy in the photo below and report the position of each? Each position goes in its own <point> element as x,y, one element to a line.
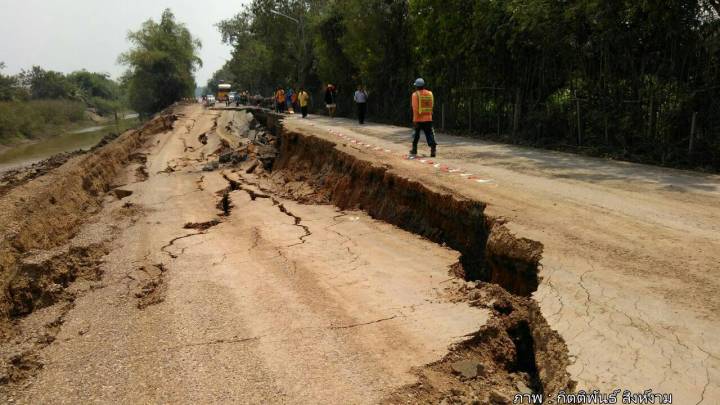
<point>9,86</point>
<point>635,80</point>
<point>96,90</point>
<point>161,64</point>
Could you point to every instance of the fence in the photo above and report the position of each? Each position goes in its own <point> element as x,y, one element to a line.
<point>653,127</point>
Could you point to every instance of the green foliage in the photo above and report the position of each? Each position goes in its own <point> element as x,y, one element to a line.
<point>9,86</point>
<point>161,64</point>
<point>95,85</point>
<point>267,47</point>
<point>48,84</point>
<point>105,107</point>
<point>224,75</point>
<point>38,102</point>
<point>97,90</point>
<point>623,78</point>
<point>30,119</point>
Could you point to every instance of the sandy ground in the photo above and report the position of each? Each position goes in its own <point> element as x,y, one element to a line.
<point>632,252</point>
<point>254,309</point>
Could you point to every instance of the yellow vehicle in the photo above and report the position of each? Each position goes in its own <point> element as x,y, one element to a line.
<point>223,92</point>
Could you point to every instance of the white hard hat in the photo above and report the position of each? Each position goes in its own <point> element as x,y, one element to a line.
<point>419,82</point>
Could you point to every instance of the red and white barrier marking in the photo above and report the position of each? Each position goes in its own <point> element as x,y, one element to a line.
<point>437,166</point>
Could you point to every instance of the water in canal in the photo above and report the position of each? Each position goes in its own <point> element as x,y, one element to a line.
<point>83,138</point>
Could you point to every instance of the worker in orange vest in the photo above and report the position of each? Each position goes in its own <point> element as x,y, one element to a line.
<point>422,105</point>
<point>280,100</point>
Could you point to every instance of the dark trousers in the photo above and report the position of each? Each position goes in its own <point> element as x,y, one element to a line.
<point>362,110</point>
<point>304,111</point>
<point>427,127</point>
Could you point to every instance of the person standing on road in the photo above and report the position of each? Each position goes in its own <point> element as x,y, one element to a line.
<point>304,100</point>
<point>289,100</point>
<point>330,95</point>
<point>280,99</point>
<point>422,106</point>
<point>294,102</point>
<point>361,101</point>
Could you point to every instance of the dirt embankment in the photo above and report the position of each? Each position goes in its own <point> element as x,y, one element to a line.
<point>44,213</point>
<point>502,268</point>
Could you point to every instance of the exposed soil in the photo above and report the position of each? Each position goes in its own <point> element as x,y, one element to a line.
<point>231,259</point>
<point>626,249</point>
<point>312,170</point>
<point>42,215</point>
<point>45,263</point>
<point>17,177</point>
<point>515,353</point>
<point>149,285</point>
<point>517,347</point>
<point>202,225</point>
<point>41,280</point>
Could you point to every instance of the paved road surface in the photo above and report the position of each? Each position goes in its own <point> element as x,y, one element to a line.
<point>631,266</point>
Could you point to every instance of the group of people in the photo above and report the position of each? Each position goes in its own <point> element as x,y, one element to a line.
<point>360,97</point>
<point>287,100</point>
<point>422,100</point>
<point>290,101</point>
<point>242,97</point>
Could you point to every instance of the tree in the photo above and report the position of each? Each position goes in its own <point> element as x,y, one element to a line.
<point>161,64</point>
<point>8,85</point>
<point>48,84</point>
<point>93,84</point>
<point>635,80</point>
<point>265,45</point>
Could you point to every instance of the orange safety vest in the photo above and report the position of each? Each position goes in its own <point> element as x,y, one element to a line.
<point>422,105</point>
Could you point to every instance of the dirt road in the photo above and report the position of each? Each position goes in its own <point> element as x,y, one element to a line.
<point>227,262</point>
<point>274,302</point>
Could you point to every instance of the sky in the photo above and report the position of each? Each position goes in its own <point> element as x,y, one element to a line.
<point>69,35</point>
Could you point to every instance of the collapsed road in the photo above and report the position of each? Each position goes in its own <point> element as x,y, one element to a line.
<point>229,256</point>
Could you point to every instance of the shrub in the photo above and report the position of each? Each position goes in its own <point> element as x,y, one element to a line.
<point>29,119</point>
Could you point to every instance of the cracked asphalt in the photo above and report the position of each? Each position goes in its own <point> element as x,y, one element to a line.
<point>275,302</point>
<point>631,261</point>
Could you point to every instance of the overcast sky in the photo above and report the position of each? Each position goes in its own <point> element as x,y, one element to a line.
<point>68,35</point>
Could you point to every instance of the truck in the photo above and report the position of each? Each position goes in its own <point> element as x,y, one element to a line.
<point>223,92</point>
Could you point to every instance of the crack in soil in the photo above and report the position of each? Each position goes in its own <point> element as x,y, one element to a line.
<point>151,291</point>
<point>172,242</point>
<point>517,344</point>
<point>355,325</point>
<point>236,185</point>
<point>202,225</point>
<point>189,127</point>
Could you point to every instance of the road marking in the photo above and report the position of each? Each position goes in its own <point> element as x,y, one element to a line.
<point>438,166</point>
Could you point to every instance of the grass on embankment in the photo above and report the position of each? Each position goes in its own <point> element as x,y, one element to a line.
<point>24,120</point>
